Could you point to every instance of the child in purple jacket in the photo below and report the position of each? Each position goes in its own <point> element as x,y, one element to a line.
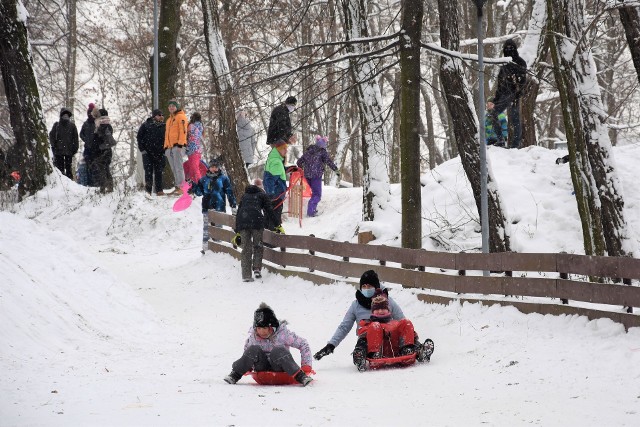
<point>313,162</point>
<point>267,349</point>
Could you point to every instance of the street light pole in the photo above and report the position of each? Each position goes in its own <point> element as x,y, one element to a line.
<point>484,204</point>
<point>155,54</point>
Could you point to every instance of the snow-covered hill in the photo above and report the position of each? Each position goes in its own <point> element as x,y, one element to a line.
<point>109,315</point>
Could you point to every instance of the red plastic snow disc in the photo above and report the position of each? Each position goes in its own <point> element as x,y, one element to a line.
<point>274,378</point>
<point>390,362</point>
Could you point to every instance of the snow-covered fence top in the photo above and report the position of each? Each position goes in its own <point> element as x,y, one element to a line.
<point>538,277</point>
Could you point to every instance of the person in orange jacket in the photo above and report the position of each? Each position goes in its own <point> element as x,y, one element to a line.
<point>175,141</point>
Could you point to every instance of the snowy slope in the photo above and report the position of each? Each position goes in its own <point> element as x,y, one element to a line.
<point>109,315</point>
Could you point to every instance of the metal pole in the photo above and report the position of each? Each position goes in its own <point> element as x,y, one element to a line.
<point>484,204</point>
<point>155,54</point>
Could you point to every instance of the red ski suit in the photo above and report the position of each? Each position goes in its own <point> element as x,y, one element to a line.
<point>389,337</point>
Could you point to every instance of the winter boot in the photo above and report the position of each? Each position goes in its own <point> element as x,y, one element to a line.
<point>425,351</point>
<point>232,378</point>
<point>248,279</point>
<point>303,378</point>
<point>407,350</point>
<point>257,274</point>
<point>360,359</point>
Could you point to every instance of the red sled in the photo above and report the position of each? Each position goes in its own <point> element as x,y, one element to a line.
<point>392,362</point>
<point>273,378</point>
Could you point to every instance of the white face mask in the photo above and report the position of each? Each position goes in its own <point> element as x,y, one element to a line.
<point>291,108</point>
<point>368,292</point>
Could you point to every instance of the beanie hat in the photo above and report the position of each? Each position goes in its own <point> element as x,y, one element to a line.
<point>510,48</point>
<point>280,142</point>
<point>174,103</point>
<point>264,317</point>
<point>370,277</point>
<point>321,141</point>
<point>380,302</point>
<point>90,107</point>
<point>103,112</point>
<point>156,112</point>
<point>214,162</point>
<point>291,100</point>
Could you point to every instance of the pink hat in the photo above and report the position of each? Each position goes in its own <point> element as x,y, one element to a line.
<point>321,141</point>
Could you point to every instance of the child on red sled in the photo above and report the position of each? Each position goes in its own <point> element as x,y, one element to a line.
<point>382,337</point>
<point>361,309</point>
<point>267,349</point>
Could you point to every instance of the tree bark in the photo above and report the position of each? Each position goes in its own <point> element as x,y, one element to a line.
<point>410,124</point>
<point>596,184</point>
<point>72,43</point>
<point>465,126</point>
<point>224,96</point>
<point>630,18</point>
<point>375,191</point>
<point>29,154</point>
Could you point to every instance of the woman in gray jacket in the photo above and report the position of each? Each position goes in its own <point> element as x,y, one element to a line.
<point>360,309</point>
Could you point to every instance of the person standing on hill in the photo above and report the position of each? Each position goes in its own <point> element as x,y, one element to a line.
<point>151,144</point>
<point>175,142</point>
<point>193,170</point>
<point>86,134</point>
<point>313,162</point>
<point>275,183</point>
<point>253,208</point>
<point>64,142</point>
<point>101,147</point>
<point>512,78</point>
<point>280,122</point>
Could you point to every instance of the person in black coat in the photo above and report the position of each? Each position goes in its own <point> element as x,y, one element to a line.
<point>280,122</point>
<point>151,144</point>
<point>254,208</point>
<point>511,80</point>
<point>64,142</point>
<point>100,151</point>
<point>86,135</point>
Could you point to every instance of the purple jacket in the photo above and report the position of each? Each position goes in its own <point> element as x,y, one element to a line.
<point>281,337</point>
<point>313,161</point>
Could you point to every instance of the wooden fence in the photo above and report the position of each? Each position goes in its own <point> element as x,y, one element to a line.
<point>450,272</point>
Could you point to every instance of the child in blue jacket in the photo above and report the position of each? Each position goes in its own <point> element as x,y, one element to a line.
<point>213,187</point>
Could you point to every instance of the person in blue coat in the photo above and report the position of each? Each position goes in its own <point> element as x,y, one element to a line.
<point>215,188</point>
<point>360,309</point>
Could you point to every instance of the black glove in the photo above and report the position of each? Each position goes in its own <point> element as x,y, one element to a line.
<point>237,240</point>
<point>327,350</point>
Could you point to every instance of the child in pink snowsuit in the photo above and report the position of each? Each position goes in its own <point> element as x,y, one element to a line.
<point>193,168</point>
<point>386,337</point>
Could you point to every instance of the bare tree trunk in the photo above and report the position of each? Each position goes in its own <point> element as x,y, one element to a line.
<point>169,24</point>
<point>596,184</point>
<point>375,192</point>
<point>394,151</point>
<point>410,124</point>
<point>224,91</point>
<point>72,42</point>
<point>535,37</point>
<point>630,18</point>
<point>29,155</point>
<point>465,126</point>
<point>435,158</point>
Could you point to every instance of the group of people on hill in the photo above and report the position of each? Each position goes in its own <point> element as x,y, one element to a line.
<point>97,135</point>
<point>382,329</point>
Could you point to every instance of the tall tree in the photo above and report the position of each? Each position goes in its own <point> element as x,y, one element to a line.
<point>72,43</point>
<point>630,18</point>
<point>375,191</point>
<point>465,125</point>
<point>169,24</point>
<point>29,155</point>
<point>596,183</point>
<point>224,97</point>
<point>412,12</point>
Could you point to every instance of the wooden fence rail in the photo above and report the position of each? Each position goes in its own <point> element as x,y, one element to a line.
<point>448,272</point>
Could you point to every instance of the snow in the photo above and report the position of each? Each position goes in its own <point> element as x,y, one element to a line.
<point>109,315</point>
